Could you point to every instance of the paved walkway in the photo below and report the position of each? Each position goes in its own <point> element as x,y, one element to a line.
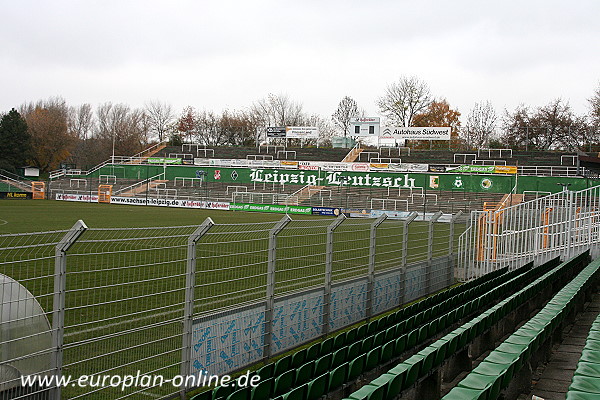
<point>551,381</point>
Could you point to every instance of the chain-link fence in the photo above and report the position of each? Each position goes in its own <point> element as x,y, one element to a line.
<point>187,300</point>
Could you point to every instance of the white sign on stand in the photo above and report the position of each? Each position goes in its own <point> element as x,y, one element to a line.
<point>301,132</point>
<point>365,127</point>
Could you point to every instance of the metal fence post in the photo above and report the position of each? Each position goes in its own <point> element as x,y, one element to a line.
<point>411,217</point>
<point>428,271</point>
<point>451,252</point>
<point>328,272</point>
<point>188,307</point>
<point>371,274</point>
<point>270,300</point>
<point>570,223</point>
<point>60,286</point>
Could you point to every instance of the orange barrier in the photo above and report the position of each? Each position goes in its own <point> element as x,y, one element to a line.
<point>38,190</point>
<point>104,193</point>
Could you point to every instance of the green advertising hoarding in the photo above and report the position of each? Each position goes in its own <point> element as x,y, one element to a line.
<point>164,160</point>
<point>270,208</point>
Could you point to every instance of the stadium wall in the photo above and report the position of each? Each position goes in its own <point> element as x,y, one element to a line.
<point>491,183</point>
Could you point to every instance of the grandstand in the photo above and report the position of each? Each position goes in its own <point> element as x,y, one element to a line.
<point>323,308</point>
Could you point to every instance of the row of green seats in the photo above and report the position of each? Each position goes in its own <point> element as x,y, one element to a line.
<point>497,370</point>
<point>404,375</point>
<point>336,351</point>
<point>421,334</point>
<point>586,379</point>
<point>384,343</point>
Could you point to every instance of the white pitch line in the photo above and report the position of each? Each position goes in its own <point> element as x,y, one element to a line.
<point>118,323</point>
<point>156,396</point>
<point>3,221</point>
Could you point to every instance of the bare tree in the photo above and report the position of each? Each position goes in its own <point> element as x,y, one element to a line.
<point>481,124</point>
<point>278,110</point>
<point>81,125</point>
<point>347,109</point>
<point>404,99</point>
<point>159,118</point>
<point>595,108</point>
<point>81,121</point>
<point>553,126</point>
<point>120,129</point>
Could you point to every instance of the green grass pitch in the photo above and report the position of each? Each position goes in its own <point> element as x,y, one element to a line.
<point>121,318</point>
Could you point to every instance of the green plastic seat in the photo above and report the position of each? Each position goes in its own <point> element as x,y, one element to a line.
<point>387,351</point>
<point>414,366</point>
<point>337,376</point>
<point>577,395</point>
<point>266,371</point>
<point>390,334</point>
<point>367,344</point>
<point>429,354</point>
<point>354,350</point>
<point>312,353</point>
<point>317,387</point>
<point>326,346</point>
<point>363,393</point>
<point>322,364</point>
<point>592,356</point>
<point>399,328</point>
<point>440,355</point>
<point>223,391</point>
<point>298,393</point>
<point>361,332</point>
<point>412,338</point>
<point>585,368</point>
<point>452,344</point>
<point>298,358</point>
<point>400,345</point>
<point>489,385</point>
<point>339,357</point>
<point>282,365</point>
<point>203,396</point>
<point>339,341</point>
<point>422,335</point>
<point>373,358</point>
<point>585,384</point>
<point>378,339</point>
<point>241,394</point>
<point>394,384</point>
<point>504,370</point>
<point>284,382</point>
<point>351,336</point>
<point>461,393</point>
<point>356,367</point>
<point>372,328</point>
<point>304,373</point>
<point>263,390</point>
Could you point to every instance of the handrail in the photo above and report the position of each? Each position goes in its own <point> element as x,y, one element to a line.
<point>16,183</point>
<point>138,184</point>
<point>140,154</point>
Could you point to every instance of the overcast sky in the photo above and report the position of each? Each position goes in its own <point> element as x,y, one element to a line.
<point>227,54</point>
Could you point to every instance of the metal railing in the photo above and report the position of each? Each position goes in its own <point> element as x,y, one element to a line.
<point>555,225</point>
<point>133,187</point>
<point>211,298</point>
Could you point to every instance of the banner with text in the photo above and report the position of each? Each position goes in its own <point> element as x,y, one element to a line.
<point>416,133</point>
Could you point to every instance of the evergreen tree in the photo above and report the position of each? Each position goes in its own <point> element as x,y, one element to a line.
<point>15,141</point>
